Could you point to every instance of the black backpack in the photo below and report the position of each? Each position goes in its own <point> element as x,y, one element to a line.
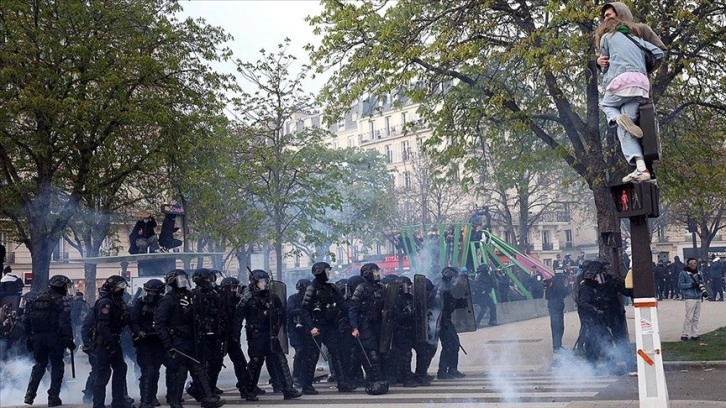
<point>43,313</point>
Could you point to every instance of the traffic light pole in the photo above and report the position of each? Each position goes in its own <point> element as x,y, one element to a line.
<point>652,388</point>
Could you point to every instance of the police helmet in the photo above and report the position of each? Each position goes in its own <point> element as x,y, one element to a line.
<point>370,272</point>
<point>321,267</point>
<point>302,284</point>
<point>449,272</point>
<point>259,279</point>
<point>60,283</point>
<point>177,278</point>
<point>113,283</point>
<point>390,279</point>
<point>406,284</point>
<point>429,285</point>
<point>229,282</point>
<point>154,285</point>
<point>204,278</point>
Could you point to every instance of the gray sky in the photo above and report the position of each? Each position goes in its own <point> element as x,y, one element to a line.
<point>257,24</point>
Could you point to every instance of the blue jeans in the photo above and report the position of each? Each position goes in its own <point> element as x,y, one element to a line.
<point>613,106</point>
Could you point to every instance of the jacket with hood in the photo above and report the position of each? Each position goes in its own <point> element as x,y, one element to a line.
<point>624,14</point>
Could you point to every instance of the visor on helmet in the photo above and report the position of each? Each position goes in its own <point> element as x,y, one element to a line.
<point>182,282</point>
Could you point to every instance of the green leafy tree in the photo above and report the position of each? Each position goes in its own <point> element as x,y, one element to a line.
<point>529,65</point>
<point>297,172</point>
<point>694,173</point>
<point>92,93</point>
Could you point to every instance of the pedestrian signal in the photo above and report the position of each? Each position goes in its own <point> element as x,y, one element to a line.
<point>636,199</point>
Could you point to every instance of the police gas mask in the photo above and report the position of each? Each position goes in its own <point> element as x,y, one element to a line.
<point>448,274</point>
<point>152,295</point>
<point>119,289</point>
<point>600,278</point>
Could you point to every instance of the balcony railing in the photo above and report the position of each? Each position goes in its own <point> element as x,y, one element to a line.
<point>547,246</point>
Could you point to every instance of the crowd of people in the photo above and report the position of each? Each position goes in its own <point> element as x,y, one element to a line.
<point>367,327</point>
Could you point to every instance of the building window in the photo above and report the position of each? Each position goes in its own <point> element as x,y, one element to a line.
<point>405,150</point>
<point>350,141</point>
<point>389,154</point>
<point>388,125</point>
<point>371,129</point>
<point>407,180</point>
<point>341,123</point>
<point>545,237</point>
<point>404,118</point>
<point>568,235</point>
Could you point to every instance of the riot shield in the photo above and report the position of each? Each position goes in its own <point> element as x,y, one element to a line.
<point>278,324</point>
<point>463,317</point>
<point>420,309</point>
<point>389,305</point>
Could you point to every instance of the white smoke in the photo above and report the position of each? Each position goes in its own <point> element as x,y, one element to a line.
<point>15,375</point>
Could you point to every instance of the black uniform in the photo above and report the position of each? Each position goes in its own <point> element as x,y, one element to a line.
<point>174,321</point>
<point>555,293</point>
<point>320,310</point>
<point>150,353</point>
<point>295,330</point>
<point>233,333</point>
<point>210,329</point>
<point>449,358</point>
<point>47,322</point>
<point>111,314</point>
<point>484,285</point>
<point>366,316</point>
<point>264,314</point>
<point>404,334</point>
<point>591,307</point>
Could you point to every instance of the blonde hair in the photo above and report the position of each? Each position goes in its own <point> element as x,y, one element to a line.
<point>611,25</point>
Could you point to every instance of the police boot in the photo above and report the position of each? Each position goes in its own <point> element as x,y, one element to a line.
<point>194,392</point>
<point>343,384</point>
<point>212,402</point>
<point>29,397</point>
<point>404,370</point>
<point>54,401</point>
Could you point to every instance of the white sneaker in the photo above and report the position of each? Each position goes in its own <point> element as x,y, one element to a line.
<point>637,176</point>
<point>626,123</point>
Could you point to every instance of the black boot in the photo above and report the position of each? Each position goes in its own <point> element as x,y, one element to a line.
<point>54,402</point>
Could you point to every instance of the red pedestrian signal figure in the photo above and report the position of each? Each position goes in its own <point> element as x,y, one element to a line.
<point>624,200</point>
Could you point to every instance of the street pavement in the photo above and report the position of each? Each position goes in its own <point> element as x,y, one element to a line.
<point>510,365</point>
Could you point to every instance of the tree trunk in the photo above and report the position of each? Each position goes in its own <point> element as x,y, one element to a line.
<point>278,260</point>
<point>607,221</point>
<point>41,249</point>
<point>89,277</point>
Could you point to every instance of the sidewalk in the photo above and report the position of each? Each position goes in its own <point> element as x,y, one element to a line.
<point>526,344</point>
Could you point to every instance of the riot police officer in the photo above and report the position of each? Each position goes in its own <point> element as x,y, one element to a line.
<point>149,351</point>
<point>112,316</point>
<point>591,306</point>
<point>449,359</point>
<point>228,291</point>
<point>295,329</point>
<point>47,322</point>
<point>404,335</point>
<point>174,322</point>
<point>425,350</point>
<point>264,315</point>
<point>208,313</point>
<point>366,316</point>
<point>320,310</point>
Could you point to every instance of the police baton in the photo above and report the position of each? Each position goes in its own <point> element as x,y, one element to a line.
<point>73,365</point>
<point>173,350</point>
<point>364,351</point>
<point>451,329</point>
<point>322,353</point>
